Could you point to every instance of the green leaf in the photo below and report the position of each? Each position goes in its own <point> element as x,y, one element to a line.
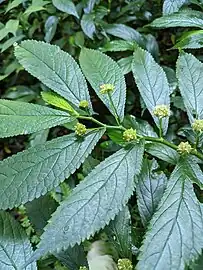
<point>73,257</point>
<point>101,69</point>
<point>39,211</point>
<point>88,25</point>
<point>183,18</point>
<point>149,188</point>
<point>171,77</point>
<point>8,43</point>
<point>66,6</point>
<point>10,27</point>
<point>14,244</point>
<point>13,4</point>
<point>190,79</point>
<point>118,46</point>
<point>171,6</point>
<point>119,233</point>
<point>39,137</point>
<point>90,5</point>
<point>175,234</point>
<point>190,40</point>
<point>163,152</point>
<point>37,5</point>
<point>152,83</point>
<point>58,70</point>
<point>50,28</point>
<point>125,64</point>
<point>35,171</point>
<point>25,118</point>
<point>57,101</point>
<point>94,202</point>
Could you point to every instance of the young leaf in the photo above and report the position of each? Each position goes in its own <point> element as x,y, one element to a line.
<point>152,83</point>
<point>58,70</point>
<point>190,40</point>
<point>101,69</point>
<point>190,78</point>
<point>15,246</point>
<point>163,152</point>
<point>119,233</point>
<point>175,234</point>
<point>171,6</point>
<point>183,18</point>
<point>13,4</point>
<point>149,188</point>
<point>66,6</point>
<point>35,171</point>
<point>94,202</point>
<point>25,118</point>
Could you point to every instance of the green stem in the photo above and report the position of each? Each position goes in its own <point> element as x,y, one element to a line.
<point>197,141</point>
<point>160,128</point>
<point>114,109</point>
<point>160,140</point>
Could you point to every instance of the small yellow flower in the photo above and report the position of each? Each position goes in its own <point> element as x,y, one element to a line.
<point>106,88</point>
<point>161,111</point>
<point>125,264</point>
<point>184,148</point>
<point>83,268</point>
<point>198,125</point>
<point>130,134</point>
<point>83,104</point>
<point>80,129</point>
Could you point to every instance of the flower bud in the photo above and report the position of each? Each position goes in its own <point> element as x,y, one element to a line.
<point>197,126</point>
<point>80,129</point>
<point>130,134</point>
<point>184,148</point>
<point>106,88</point>
<point>161,111</point>
<point>125,264</point>
<point>83,104</point>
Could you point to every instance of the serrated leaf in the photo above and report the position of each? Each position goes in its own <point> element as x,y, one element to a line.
<point>119,233</point>
<point>190,79</point>
<point>35,171</point>
<point>150,188</point>
<point>163,152</point>
<point>175,234</point>
<point>118,46</point>
<point>66,6</point>
<point>14,244</point>
<point>171,6</point>
<point>58,70</point>
<point>88,25</point>
<point>94,202</point>
<point>183,18</point>
<point>39,211</point>
<point>190,40</point>
<point>125,64</point>
<point>25,118</point>
<point>152,83</point>
<point>101,69</point>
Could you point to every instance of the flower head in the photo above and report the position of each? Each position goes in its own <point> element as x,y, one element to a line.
<point>125,264</point>
<point>106,88</point>
<point>83,104</point>
<point>161,111</point>
<point>130,134</point>
<point>184,148</point>
<point>80,129</point>
<point>198,125</point>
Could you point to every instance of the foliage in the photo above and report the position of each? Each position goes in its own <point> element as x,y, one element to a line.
<point>101,127</point>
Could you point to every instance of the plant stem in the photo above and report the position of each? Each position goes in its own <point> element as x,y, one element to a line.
<point>160,140</point>
<point>114,109</point>
<point>160,128</point>
<point>197,141</point>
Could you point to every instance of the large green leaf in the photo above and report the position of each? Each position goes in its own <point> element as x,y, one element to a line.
<point>24,118</point>
<point>175,233</point>
<point>171,6</point>
<point>190,78</point>
<point>149,188</point>
<point>66,6</point>
<point>88,25</point>
<point>183,18</point>
<point>190,40</point>
<point>94,202</point>
<point>152,83</point>
<point>58,70</point>
<point>14,244</point>
<point>101,69</point>
<point>35,171</point>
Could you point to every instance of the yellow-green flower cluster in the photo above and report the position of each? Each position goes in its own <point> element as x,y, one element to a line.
<point>80,129</point>
<point>106,88</point>
<point>129,135</point>
<point>161,111</point>
<point>184,148</point>
<point>124,264</point>
<point>197,126</point>
<point>83,104</point>
<point>83,268</point>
